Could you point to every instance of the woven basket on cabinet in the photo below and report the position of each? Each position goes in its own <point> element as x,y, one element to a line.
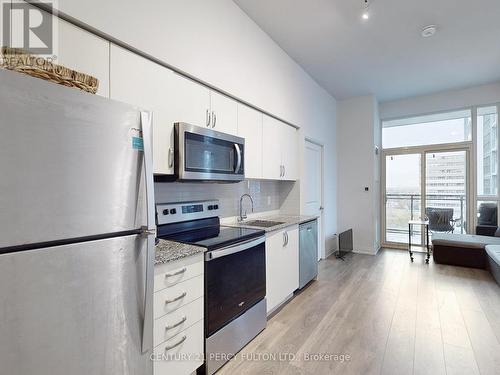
<point>23,62</point>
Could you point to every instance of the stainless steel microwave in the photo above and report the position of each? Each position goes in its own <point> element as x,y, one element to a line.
<point>208,155</point>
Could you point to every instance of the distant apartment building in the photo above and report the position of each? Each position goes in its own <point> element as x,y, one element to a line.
<point>490,149</point>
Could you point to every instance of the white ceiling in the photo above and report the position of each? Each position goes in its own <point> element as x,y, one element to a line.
<point>386,55</point>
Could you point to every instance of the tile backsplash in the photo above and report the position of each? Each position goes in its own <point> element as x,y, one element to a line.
<point>267,195</point>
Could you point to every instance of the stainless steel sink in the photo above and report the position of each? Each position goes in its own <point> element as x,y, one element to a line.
<point>262,223</point>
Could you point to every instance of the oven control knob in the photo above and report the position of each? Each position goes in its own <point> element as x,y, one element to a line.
<point>173,211</point>
<point>216,207</point>
<point>210,208</point>
<point>165,212</point>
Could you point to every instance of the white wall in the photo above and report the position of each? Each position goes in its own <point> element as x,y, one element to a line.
<point>358,133</point>
<point>217,43</point>
<point>443,101</point>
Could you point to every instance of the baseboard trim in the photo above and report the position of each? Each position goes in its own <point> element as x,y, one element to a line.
<point>365,252</point>
<point>330,253</point>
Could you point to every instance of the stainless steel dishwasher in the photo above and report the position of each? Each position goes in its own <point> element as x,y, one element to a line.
<point>308,252</point>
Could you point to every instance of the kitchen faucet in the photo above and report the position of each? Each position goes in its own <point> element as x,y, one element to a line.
<point>243,216</point>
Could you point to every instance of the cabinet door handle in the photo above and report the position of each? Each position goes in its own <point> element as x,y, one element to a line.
<point>170,158</point>
<point>284,171</point>
<point>171,326</point>
<point>208,118</point>
<point>181,271</point>
<point>181,296</point>
<point>286,236</point>
<point>169,347</point>
<point>214,119</point>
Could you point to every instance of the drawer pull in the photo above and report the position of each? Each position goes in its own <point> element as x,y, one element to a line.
<point>171,326</point>
<point>181,271</point>
<point>181,296</point>
<point>169,347</point>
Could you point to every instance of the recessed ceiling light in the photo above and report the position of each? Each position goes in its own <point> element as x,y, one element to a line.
<point>429,31</point>
<point>366,10</point>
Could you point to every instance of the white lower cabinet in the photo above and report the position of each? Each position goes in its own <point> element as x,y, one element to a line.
<point>178,311</point>
<point>282,266</point>
<point>182,354</point>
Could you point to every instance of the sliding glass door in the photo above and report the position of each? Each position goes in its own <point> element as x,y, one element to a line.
<point>402,196</point>
<point>446,191</point>
<point>425,182</point>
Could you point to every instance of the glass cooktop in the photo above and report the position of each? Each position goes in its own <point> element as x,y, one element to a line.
<point>214,237</point>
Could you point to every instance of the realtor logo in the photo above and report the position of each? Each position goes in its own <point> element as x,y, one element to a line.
<point>28,27</point>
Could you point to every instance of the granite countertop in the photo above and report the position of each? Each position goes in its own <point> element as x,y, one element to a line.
<point>168,251</point>
<point>287,221</point>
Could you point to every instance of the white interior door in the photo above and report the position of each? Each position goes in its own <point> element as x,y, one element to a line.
<point>313,192</point>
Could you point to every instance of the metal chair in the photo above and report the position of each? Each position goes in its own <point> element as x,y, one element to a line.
<point>441,219</point>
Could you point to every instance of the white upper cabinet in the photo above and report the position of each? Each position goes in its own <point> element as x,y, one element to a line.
<point>82,51</point>
<point>187,101</point>
<point>279,150</point>
<point>224,114</point>
<point>271,149</point>
<point>139,81</point>
<point>290,150</point>
<point>250,128</point>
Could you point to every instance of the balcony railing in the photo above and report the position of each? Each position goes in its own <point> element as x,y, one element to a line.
<point>403,207</point>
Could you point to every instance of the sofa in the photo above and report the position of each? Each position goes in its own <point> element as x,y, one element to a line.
<point>493,258</point>
<point>468,250</point>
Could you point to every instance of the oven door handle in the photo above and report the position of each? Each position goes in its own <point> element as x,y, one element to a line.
<point>238,154</point>
<point>234,248</point>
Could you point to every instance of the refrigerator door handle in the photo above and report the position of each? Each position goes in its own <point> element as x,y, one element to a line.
<point>147,333</point>
<point>150,232</point>
<point>148,168</point>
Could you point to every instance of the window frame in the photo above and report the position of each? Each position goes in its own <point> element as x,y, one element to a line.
<point>445,144</point>
<point>471,146</point>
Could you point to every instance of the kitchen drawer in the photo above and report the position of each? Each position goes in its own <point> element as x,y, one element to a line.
<point>180,294</point>
<point>173,273</point>
<point>184,358</point>
<point>178,320</point>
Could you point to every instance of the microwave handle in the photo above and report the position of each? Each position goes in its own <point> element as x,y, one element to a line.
<point>238,154</point>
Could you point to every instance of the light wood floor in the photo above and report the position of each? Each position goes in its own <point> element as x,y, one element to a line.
<point>389,316</point>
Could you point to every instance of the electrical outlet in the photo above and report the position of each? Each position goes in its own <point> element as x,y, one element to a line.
<point>268,200</point>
